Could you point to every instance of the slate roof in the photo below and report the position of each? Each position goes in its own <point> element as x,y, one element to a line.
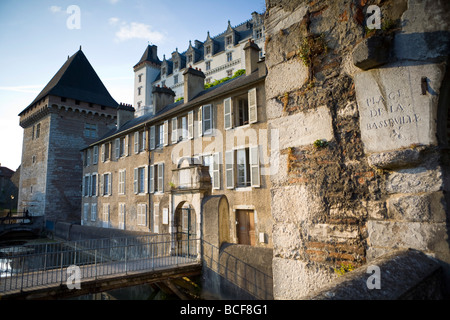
<point>174,108</point>
<point>149,55</point>
<point>241,31</point>
<point>77,80</point>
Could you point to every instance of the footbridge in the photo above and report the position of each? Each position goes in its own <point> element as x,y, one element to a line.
<point>63,269</point>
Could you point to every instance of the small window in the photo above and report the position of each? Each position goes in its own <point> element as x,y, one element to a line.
<point>38,131</point>
<point>77,102</point>
<point>175,79</point>
<point>63,99</point>
<point>229,40</point>
<point>90,130</point>
<point>140,78</point>
<point>208,65</point>
<point>141,214</point>
<point>208,50</point>
<point>175,65</point>
<point>229,56</point>
<point>140,180</point>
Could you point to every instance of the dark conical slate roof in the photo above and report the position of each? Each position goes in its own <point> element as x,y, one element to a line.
<point>149,55</point>
<point>77,80</point>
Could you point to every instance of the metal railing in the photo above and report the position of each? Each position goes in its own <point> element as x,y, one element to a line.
<point>44,264</point>
<point>16,218</point>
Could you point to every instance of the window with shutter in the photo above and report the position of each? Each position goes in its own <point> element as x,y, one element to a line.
<point>254,167</point>
<point>103,153</point>
<point>191,125</point>
<point>152,179</point>
<point>174,130</point>
<point>200,122</point>
<point>160,177</point>
<point>136,142</point>
<point>229,169</point>
<point>94,212</point>
<point>135,180</point>
<point>252,106</point>
<point>105,218</point>
<point>152,137</point>
<point>207,119</point>
<point>216,171</point>
<point>227,108</point>
<point>166,133</point>
<point>117,148</point>
<point>122,216</point>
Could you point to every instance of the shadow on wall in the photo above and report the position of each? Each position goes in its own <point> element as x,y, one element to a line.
<point>237,272</point>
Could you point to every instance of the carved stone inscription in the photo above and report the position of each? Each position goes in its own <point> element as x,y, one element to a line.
<point>393,111</point>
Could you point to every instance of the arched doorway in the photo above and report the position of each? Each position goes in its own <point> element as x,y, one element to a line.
<point>185,229</point>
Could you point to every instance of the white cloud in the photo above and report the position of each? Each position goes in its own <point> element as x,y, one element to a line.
<point>113,1</point>
<point>135,30</point>
<point>55,9</point>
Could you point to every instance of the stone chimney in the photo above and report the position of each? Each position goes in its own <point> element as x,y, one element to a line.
<point>125,112</point>
<point>251,50</point>
<point>194,83</point>
<point>162,96</point>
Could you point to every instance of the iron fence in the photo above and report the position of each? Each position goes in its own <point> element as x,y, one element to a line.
<point>48,263</point>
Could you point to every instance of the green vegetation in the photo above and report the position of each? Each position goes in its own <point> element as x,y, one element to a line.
<point>216,82</point>
<point>320,143</point>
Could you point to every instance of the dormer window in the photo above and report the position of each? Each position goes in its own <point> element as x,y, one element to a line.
<point>189,58</point>
<point>175,65</point>
<point>163,71</point>
<point>229,40</point>
<point>208,50</point>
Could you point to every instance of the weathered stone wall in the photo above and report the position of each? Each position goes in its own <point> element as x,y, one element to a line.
<point>361,163</point>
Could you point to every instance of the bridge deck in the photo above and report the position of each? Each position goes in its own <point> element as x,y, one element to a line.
<point>58,283</point>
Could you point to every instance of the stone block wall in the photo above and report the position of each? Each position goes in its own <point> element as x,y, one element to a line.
<point>362,166</point>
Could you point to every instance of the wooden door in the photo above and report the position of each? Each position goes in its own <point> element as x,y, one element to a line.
<point>245,227</point>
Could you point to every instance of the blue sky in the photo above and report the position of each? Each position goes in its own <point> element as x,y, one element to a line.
<point>37,36</point>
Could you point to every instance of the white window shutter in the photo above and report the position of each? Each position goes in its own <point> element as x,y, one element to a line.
<point>216,171</point>
<point>117,148</point>
<point>146,179</point>
<point>207,119</point>
<point>228,114</point>
<point>102,187</point>
<point>252,106</point>
<point>152,137</point>
<point>254,167</point>
<point>136,142</point>
<point>127,138</point>
<point>90,185</point>
<point>144,140</point>
<point>103,153</point>
<point>229,169</point>
<point>110,184</point>
<point>174,130</point>
<point>144,214</point>
<point>161,177</point>
<point>166,133</point>
<point>152,179</point>
<point>200,121</point>
<point>135,181</point>
<point>191,124</point>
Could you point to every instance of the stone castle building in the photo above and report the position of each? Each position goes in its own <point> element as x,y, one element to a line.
<point>196,167</point>
<point>217,57</point>
<point>73,110</point>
